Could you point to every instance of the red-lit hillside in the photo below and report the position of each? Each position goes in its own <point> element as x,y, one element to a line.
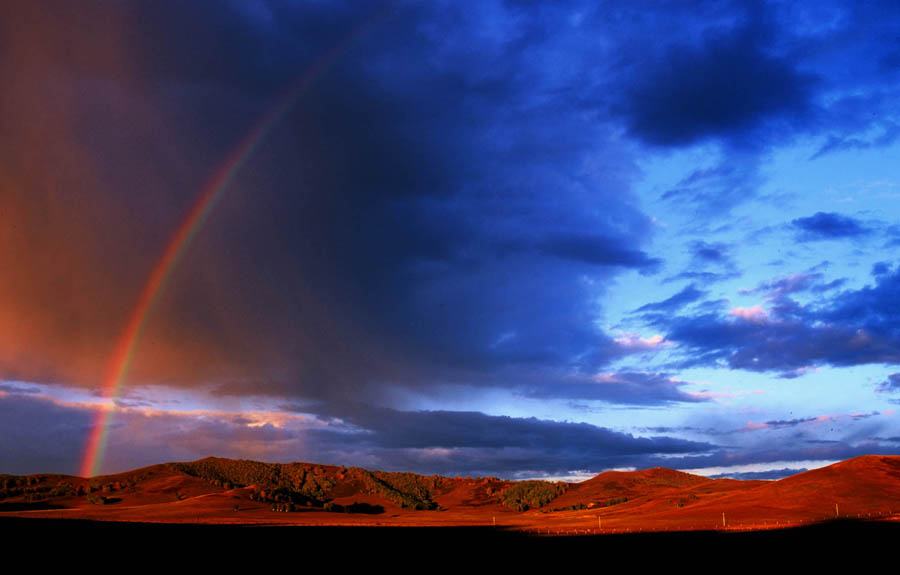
<point>216,490</point>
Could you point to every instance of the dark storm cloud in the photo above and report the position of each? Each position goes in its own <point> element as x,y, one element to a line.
<point>473,442</point>
<point>452,442</point>
<point>598,250</point>
<point>758,79</point>
<point>401,224</point>
<point>453,429</point>
<point>728,86</point>
<point>825,226</point>
<point>440,179</point>
<point>39,436</point>
<point>853,327</point>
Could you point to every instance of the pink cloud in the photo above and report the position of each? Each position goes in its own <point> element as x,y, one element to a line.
<point>635,342</point>
<point>755,314</point>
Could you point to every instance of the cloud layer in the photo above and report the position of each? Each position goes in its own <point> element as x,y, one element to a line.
<point>465,201</point>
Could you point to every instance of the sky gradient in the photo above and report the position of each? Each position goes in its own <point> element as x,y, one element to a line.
<point>515,239</point>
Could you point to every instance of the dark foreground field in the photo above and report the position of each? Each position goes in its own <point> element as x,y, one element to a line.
<point>406,548</point>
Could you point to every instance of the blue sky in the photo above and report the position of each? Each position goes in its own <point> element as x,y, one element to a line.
<point>503,238</point>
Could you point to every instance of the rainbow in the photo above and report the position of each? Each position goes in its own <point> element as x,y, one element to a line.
<point>126,347</point>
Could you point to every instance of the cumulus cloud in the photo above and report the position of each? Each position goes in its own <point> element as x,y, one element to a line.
<point>853,327</point>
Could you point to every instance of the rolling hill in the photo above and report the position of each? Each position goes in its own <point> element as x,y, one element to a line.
<point>216,490</point>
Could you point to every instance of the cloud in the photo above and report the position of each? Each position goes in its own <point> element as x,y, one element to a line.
<point>755,79</point>
<point>42,434</point>
<point>706,277</point>
<point>880,268</point>
<point>728,86</point>
<point>716,252</point>
<point>771,474</point>
<point>8,387</point>
<point>414,204</point>
<point>686,296</point>
<point>777,288</point>
<point>755,314</point>
<point>888,135</point>
<point>634,342</point>
<point>781,423</point>
<point>446,203</point>
<point>831,452</point>
<point>853,327</point>
<point>824,226</point>
<point>627,388</point>
<point>450,442</point>
<point>440,441</point>
<point>778,424</point>
<point>596,250</point>
<point>706,255</point>
<point>478,443</point>
<point>890,385</point>
<point>861,121</point>
<point>733,180</point>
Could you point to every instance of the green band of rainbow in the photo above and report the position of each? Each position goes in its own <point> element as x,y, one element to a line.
<point>127,345</point>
